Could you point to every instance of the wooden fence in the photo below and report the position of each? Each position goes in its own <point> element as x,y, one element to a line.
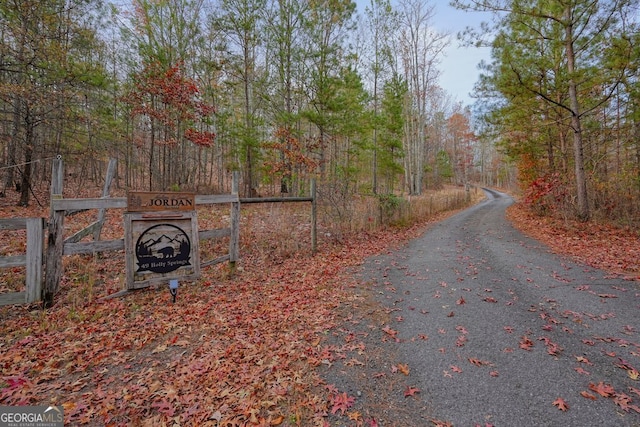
<point>58,246</point>
<point>32,260</point>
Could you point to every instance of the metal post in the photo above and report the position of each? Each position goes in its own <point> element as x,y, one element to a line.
<point>314,218</point>
<point>234,243</point>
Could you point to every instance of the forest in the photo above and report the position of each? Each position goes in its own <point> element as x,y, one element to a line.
<point>182,92</point>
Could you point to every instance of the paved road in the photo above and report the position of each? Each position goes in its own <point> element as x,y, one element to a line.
<point>495,328</point>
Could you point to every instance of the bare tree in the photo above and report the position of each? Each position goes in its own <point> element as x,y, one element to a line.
<point>420,49</point>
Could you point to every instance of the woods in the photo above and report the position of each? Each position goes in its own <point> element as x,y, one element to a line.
<point>182,92</point>
<point>286,94</point>
<point>564,80</point>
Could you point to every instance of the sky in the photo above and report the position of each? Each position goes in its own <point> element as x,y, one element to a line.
<point>460,65</point>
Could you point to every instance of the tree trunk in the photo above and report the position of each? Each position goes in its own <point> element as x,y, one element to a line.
<point>25,186</point>
<point>578,148</point>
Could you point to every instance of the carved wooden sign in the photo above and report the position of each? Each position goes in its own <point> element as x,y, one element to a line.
<point>145,201</point>
<point>161,238</point>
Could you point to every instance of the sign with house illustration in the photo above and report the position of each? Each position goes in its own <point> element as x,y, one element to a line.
<point>162,244</point>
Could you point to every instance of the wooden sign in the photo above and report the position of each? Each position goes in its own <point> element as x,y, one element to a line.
<point>145,201</point>
<point>161,246</point>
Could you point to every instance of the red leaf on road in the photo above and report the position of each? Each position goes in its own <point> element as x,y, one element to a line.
<point>581,371</point>
<point>604,390</point>
<point>588,395</point>
<point>410,391</point>
<point>561,404</point>
<point>526,343</point>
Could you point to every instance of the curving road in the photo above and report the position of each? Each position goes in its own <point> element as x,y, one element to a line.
<point>495,328</point>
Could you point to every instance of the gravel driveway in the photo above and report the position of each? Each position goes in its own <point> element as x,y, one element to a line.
<point>492,329</point>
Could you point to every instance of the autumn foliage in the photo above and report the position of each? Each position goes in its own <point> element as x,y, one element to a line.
<point>244,349</point>
<point>166,95</point>
<point>233,350</point>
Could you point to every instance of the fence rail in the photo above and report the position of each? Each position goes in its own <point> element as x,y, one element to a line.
<point>32,260</point>
<point>44,270</point>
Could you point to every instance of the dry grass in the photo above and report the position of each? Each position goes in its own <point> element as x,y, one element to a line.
<point>270,233</point>
<point>370,213</point>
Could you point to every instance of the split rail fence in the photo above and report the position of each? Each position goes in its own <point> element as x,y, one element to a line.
<point>57,245</point>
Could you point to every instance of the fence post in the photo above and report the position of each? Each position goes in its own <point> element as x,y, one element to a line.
<point>102,213</point>
<point>314,218</point>
<point>35,245</point>
<point>234,241</point>
<point>55,244</point>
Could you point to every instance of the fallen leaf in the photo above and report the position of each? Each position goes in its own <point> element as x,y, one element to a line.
<point>403,368</point>
<point>588,395</point>
<point>607,296</point>
<point>389,331</point>
<point>584,360</point>
<point>604,390</point>
<point>164,407</point>
<point>623,401</point>
<point>277,420</point>
<point>355,416</point>
<point>411,391</point>
<point>159,349</point>
<point>561,404</point>
<point>341,402</point>
<point>526,343</point>
<point>478,362</point>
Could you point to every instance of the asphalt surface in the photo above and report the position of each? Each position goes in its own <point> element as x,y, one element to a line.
<point>495,328</point>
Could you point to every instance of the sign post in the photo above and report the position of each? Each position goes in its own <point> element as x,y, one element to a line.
<point>161,238</point>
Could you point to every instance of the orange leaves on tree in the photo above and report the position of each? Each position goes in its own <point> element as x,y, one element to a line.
<point>166,95</point>
<point>293,154</point>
